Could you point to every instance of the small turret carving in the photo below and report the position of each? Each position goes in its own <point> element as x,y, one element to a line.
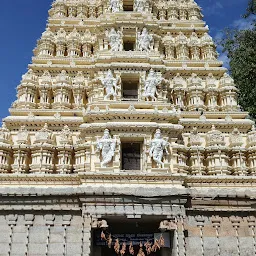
<point>5,149</point>
<point>42,151</point>
<point>62,91</point>
<point>21,151</point>
<point>27,94</point>
<point>65,151</point>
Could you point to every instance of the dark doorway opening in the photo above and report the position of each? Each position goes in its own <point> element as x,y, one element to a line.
<point>131,156</point>
<point>135,231</point>
<point>128,5</point>
<point>130,88</point>
<point>128,46</point>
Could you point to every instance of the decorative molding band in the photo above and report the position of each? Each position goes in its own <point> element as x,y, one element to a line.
<point>124,177</point>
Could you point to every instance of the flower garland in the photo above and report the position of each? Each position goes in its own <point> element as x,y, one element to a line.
<point>149,248</point>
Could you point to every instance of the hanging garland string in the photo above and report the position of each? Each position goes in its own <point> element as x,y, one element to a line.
<point>158,243</point>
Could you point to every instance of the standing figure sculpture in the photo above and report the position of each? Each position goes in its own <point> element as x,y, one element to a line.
<point>110,85</point>
<point>115,6</point>
<point>150,85</point>
<point>107,147</point>
<point>144,40</point>
<point>140,5</point>
<point>115,40</point>
<point>157,148</point>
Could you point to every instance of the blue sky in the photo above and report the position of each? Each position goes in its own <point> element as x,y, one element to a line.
<point>23,21</point>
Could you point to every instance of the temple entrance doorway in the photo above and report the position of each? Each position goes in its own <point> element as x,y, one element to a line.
<point>132,237</point>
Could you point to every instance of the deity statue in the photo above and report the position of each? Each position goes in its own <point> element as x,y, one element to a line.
<point>150,85</point>
<point>66,136</point>
<point>157,148</point>
<point>140,5</point>
<point>110,84</point>
<point>107,147</point>
<point>144,40</point>
<point>115,6</point>
<point>115,40</point>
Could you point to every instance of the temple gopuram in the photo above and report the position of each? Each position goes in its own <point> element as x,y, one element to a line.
<point>126,139</point>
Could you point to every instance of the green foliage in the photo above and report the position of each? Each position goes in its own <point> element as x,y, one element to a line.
<point>240,46</point>
<point>251,9</point>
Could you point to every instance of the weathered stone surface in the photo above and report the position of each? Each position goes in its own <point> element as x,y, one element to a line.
<point>60,180</point>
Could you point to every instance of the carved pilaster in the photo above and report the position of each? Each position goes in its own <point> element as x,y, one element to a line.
<point>86,234</point>
<point>12,222</point>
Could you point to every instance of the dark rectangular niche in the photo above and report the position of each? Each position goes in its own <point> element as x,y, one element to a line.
<point>130,88</point>
<point>128,5</point>
<point>131,156</point>
<point>128,46</point>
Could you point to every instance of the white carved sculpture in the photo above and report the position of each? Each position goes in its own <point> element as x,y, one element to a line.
<point>110,83</point>
<point>144,40</point>
<point>179,81</point>
<point>215,137</point>
<point>195,138</point>
<point>115,6</point>
<point>21,151</point>
<point>115,40</point>
<point>61,42</point>
<point>157,148</point>
<point>182,49</point>
<point>194,43</point>
<point>150,85</point>
<point>236,140</point>
<point>226,81</point>
<point>167,225</point>
<point>45,83</point>
<point>5,134</point>
<point>44,136</point>
<point>22,135</point>
<point>140,5</point>
<point>5,149</point>
<point>78,90</point>
<point>194,80</point>
<point>99,224</point>
<point>211,81</point>
<point>65,136</point>
<point>107,147</point>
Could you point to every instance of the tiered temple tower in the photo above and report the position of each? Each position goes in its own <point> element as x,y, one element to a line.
<point>127,122</point>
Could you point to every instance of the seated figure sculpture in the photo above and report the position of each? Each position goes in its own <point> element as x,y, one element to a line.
<point>157,148</point>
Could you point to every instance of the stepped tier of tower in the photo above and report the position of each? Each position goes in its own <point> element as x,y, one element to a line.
<point>140,73</point>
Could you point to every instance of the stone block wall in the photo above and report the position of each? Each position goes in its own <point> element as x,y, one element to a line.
<point>220,236</point>
<point>60,222</point>
<point>42,234</point>
<point>70,235</point>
